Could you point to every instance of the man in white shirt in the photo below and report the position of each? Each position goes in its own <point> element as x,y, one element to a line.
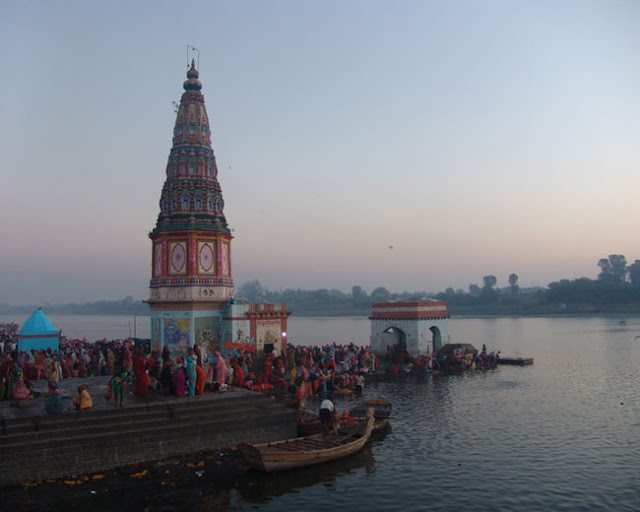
<point>327,410</point>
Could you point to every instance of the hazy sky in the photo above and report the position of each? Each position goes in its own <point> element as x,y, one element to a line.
<point>475,137</point>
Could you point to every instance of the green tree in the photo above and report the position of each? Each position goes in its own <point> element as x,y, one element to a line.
<point>613,269</point>
<point>358,296</point>
<point>489,283</point>
<point>513,283</point>
<point>489,294</point>
<point>252,291</point>
<point>380,294</point>
<point>634,273</point>
<point>474,289</point>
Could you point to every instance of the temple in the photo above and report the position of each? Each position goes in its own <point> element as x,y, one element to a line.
<point>420,327</point>
<point>191,287</point>
<point>38,333</point>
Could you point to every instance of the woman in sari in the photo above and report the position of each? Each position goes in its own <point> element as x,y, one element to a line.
<point>142,379</point>
<point>127,359</point>
<point>166,377</point>
<point>19,389</point>
<point>53,377</point>
<point>82,400</point>
<point>151,366</point>
<point>201,377</point>
<point>307,391</point>
<point>191,373</point>
<point>268,366</point>
<point>238,375</point>
<point>221,369</point>
<point>179,378</point>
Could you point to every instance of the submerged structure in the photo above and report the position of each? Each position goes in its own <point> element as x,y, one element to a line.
<point>419,327</point>
<point>191,287</point>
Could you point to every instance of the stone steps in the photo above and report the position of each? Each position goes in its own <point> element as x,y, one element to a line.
<point>72,431</point>
<point>102,439</point>
<point>49,427</point>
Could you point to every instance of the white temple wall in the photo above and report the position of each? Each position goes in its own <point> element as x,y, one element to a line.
<point>418,335</point>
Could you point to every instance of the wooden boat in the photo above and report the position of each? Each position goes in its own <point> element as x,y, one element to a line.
<point>519,361</point>
<point>309,423</point>
<point>305,451</point>
<point>381,408</point>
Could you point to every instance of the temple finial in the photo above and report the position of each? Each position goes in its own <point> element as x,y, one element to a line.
<point>192,83</point>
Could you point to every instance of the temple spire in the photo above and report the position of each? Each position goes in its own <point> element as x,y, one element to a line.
<point>191,240</point>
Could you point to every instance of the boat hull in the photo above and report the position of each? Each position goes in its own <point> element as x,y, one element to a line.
<point>517,361</point>
<point>306,451</point>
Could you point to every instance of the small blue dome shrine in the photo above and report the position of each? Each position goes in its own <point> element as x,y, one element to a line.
<point>38,332</point>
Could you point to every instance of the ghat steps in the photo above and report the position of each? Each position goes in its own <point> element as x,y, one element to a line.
<point>41,447</point>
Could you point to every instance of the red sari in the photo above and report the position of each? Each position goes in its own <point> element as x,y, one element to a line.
<point>179,381</point>
<point>201,377</point>
<point>239,375</point>
<point>142,379</point>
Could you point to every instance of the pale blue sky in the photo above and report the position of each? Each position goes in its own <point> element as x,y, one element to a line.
<point>475,137</point>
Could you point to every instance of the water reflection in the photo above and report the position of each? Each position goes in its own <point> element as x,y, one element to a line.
<point>217,482</point>
<point>262,487</point>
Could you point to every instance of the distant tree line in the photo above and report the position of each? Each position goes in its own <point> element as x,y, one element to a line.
<point>617,284</point>
<point>330,301</point>
<point>126,306</point>
<point>616,289</point>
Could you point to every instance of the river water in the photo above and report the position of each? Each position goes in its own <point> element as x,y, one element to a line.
<point>562,434</point>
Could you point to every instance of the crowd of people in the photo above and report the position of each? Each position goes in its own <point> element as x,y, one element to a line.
<point>127,362</point>
<point>450,358</point>
<point>301,371</point>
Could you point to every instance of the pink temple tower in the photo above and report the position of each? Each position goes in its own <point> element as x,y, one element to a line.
<point>191,284</point>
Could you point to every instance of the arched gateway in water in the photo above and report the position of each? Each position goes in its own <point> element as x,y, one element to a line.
<point>419,327</point>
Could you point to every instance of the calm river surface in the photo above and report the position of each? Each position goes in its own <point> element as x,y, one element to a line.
<point>563,434</point>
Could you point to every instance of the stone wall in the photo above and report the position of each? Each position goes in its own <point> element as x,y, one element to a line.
<point>49,447</point>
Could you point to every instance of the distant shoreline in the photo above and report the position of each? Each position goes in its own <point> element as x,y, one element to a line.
<point>332,314</point>
<point>132,308</point>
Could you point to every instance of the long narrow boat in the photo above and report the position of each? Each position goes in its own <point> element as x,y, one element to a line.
<point>305,451</point>
<point>518,361</point>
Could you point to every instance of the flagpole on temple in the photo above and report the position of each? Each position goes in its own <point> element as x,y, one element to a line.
<point>189,47</point>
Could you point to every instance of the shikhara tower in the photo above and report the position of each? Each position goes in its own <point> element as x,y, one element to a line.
<point>191,283</point>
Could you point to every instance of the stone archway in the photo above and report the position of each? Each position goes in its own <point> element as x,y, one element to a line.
<point>395,337</point>
<point>436,339</point>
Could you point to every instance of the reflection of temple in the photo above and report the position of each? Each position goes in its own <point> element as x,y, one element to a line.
<point>419,327</point>
<point>191,286</point>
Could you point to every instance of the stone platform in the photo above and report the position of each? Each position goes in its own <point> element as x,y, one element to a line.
<point>36,446</point>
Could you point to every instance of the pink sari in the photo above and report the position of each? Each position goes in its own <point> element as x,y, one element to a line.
<point>221,369</point>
